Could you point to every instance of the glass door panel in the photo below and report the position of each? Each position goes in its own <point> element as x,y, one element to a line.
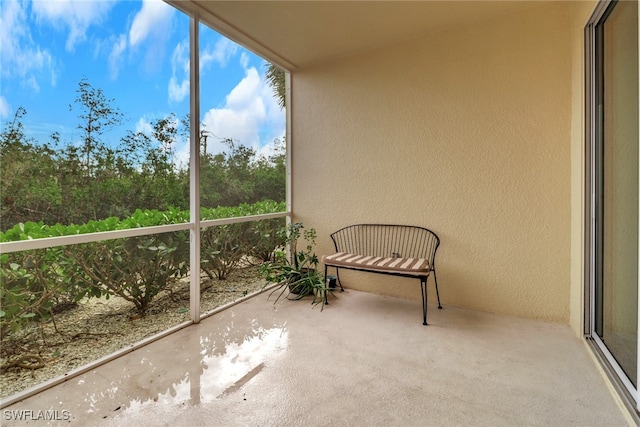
<point>616,290</point>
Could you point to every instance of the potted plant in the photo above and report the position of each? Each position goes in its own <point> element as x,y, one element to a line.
<point>295,274</point>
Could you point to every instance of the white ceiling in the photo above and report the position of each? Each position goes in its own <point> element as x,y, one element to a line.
<point>298,34</point>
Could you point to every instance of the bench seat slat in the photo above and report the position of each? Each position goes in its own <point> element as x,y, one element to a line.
<point>413,266</point>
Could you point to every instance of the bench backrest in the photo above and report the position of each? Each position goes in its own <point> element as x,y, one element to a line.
<point>386,240</point>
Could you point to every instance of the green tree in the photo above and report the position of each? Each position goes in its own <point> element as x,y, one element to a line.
<point>270,175</point>
<point>73,185</point>
<point>13,147</point>
<point>97,115</point>
<point>162,184</point>
<point>28,187</point>
<point>60,182</point>
<point>276,79</point>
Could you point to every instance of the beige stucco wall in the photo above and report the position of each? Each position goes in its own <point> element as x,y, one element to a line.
<point>467,132</point>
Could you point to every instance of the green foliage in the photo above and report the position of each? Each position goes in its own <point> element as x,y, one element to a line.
<point>265,239</point>
<point>27,177</point>
<point>57,181</point>
<point>18,304</point>
<point>268,174</point>
<point>276,79</point>
<point>136,269</point>
<point>296,273</point>
<point>97,115</point>
<point>225,247</point>
<point>239,175</point>
<point>59,188</point>
<point>32,283</point>
<point>140,218</point>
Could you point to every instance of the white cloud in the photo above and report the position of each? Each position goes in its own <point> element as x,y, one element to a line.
<point>76,16</point>
<point>24,59</point>
<point>178,90</point>
<point>150,28</point>
<point>149,32</point>
<point>247,91</point>
<point>250,116</point>
<point>144,126</point>
<point>179,81</point>
<point>243,111</point>
<point>20,56</point>
<point>31,82</point>
<point>115,57</point>
<point>220,54</point>
<point>153,20</point>
<point>244,60</point>
<point>5,108</point>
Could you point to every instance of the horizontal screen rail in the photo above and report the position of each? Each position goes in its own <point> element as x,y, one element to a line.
<point>52,242</point>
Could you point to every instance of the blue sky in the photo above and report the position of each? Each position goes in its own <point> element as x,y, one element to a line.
<point>136,52</point>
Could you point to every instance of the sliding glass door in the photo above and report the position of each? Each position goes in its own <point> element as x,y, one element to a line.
<point>613,41</point>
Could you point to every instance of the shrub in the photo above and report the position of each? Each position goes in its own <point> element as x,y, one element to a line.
<point>31,284</point>
<point>134,269</point>
<point>225,247</point>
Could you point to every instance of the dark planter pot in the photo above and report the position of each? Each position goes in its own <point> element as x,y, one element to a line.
<point>301,289</point>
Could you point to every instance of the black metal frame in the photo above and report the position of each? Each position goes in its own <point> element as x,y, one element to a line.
<point>389,240</point>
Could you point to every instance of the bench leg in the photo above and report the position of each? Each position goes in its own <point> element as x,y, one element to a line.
<point>326,301</point>
<point>338,277</point>
<point>423,286</point>
<point>437,293</point>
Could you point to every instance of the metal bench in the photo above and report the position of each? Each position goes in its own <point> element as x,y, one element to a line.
<point>398,250</point>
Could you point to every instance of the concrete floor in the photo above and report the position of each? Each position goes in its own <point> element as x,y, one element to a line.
<point>366,360</point>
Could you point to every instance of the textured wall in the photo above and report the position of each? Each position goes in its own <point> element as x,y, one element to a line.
<point>466,132</point>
